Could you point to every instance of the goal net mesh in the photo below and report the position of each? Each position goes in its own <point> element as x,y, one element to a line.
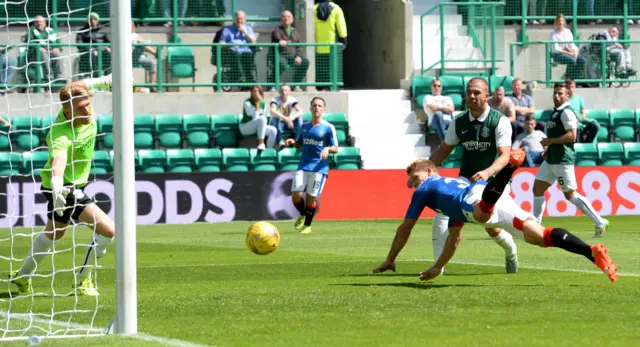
<point>31,106</point>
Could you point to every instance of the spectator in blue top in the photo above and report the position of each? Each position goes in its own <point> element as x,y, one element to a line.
<point>8,66</point>
<point>239,58</point>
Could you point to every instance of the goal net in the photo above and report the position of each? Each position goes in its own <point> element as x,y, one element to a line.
<point>42,40</point>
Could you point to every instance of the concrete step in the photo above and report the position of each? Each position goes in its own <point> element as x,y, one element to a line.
<point>364,120</point>
<point>372,129</point>
<point>450,19</point>
<point>391,139</point>
<point>433,30</point>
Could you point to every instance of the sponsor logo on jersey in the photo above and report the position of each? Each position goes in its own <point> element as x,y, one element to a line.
<point>476,145</point>
<point>308,141</point>
<point>82,146</point>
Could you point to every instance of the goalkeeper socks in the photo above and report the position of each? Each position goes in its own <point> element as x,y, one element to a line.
<point>539,203</point>
<point>39,249</point>
<point>300,206</point>
<point>100,244</point>
<point>561,238</point>
<point>505,240</point>
<point>494,189</point>
<point>308,214</point>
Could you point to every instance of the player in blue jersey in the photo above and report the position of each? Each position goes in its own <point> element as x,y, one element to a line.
<point>316,139</point>
<point>481,203</point>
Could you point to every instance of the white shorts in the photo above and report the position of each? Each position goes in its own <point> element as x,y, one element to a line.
<point>565,174</point>
<point>506,213</point>
<point>309,182</point>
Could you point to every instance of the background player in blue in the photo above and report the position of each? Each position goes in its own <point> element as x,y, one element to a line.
<point>316,139</point>
<point>481,203</point>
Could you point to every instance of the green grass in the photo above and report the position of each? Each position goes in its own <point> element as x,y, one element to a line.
<point>198,283</point>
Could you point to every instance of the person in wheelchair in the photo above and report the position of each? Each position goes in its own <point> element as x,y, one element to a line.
<point>618,53</point>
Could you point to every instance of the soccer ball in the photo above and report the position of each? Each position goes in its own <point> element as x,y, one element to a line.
<point>262,238</point>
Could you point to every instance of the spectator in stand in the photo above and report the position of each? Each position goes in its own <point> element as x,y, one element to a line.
<point>291,56</point>
<point>167,8</point>
<point>285,110</point>
<point>254,119</point>
<point>44,35</point>
<point>529,140</point>
<point>503,104</point>
<point>329,24</point>
<point>587,128</point>
<point>524,106</point>
<point>8,66</point>
<point>145,56</point>
<point>240,58</point>
<point>93,32</point>
<point>439,109</point>
<point>564,51</point>
<point>619,53</point>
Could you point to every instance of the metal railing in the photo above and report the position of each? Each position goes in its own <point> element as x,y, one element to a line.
<point>273,66</point>
<point>594,58</point>
<point>483,23</point>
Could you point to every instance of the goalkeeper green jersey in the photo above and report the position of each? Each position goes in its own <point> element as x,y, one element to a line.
<point>78,142</point>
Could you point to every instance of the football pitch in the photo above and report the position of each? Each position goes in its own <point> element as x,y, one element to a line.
<point>199,285</point>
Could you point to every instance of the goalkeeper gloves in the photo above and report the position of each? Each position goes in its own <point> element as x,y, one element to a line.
<point>59,193</point>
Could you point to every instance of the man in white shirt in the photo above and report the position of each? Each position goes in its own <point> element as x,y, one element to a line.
<point>438,109</point>
<point>285,111</point>
<point>619,53</point>
<point>529,140</point>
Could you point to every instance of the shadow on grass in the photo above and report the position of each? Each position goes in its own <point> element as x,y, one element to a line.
<point>9,295</point>
<point>393,274</point>
<point>412,285</point>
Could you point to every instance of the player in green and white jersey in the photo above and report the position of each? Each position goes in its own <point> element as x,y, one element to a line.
<point>71,140</point>
<point>560,160</point>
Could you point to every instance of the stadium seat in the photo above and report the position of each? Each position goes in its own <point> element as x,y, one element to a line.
<point>236,159</point>
<point>225,129</point>
<point>611,154</point>
<point>101,163</point>
<point>105,130</point>
<point>453,87</point>
<point>208,159</point>
<point>180,160</point>
<point>181,63</point>
<point>542,115</point>
<point>454,159</point>
<point>602,116</point>
<point>5,141</point>
<point>420,86</point>
<point>34,162</point>
<point>169,130</point>
<point>632,153</point>
<point>143,125</point>
<point>266,160</point>
<point>586,154</point>
<point>306,117</point>
<point>25,132</point>
<point>45,123</point>
<point>10,163</point>
<point>496,81</point>
<point>347,158</point>
<point>623,123</point>
<point>197,127</point>
<point>135,159</point>
<point>151,160</point>
<point>466,79</point>
<point>340,123</point>
<point>289,158</point>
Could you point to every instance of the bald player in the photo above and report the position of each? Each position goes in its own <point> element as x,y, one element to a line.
<point>485,137</point>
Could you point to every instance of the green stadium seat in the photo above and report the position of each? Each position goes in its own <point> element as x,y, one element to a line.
<point>289,158</point>
<point>225,129</point>
<point>496,81</point>
<point>144,129</point>
<point>266,160</point>
<point>340,123</point>
<point>542,115</point>
<point>25,132</point>
<point>34,162</point>
<point>450,84</point>
<point>10,163</point>
<point>101,163</point>
<point>197,127</point>
<point>152,160</point>
<point>347,158</point>
<point>135,159</point>
<point>169,130</point>
<point>586,154</point>
<point>466,79</point>
<point>611,154</point>
<point>208,159</point>
<point>632,153</point>
<point>105,130</point>
<point>602,116</point>
<point>236,159</point>
<point>182,63</point>
<point>306,117</point>
<point>457,98</point>
<point>454,159</point>
<point>420,86</point>
<point>45,123</point>
<point>624,125</point>
<point>5,140</point>
<point>180,160</point>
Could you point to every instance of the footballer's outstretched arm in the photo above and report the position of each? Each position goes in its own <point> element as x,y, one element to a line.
<point>104,82</point>
<point>402,236</point>
<point>450,247</point>
<point>441,153</point>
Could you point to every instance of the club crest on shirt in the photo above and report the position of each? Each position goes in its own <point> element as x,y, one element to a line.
<point>484,132</point>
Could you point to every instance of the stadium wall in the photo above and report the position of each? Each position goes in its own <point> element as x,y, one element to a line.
<point>348,195</point>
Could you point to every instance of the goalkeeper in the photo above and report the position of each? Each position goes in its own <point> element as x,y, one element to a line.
<point>71,140</point>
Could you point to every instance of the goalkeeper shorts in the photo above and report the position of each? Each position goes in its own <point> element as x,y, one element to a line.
<point>77,200</point>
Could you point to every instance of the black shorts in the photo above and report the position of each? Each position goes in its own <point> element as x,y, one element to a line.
<point>77,200</point>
